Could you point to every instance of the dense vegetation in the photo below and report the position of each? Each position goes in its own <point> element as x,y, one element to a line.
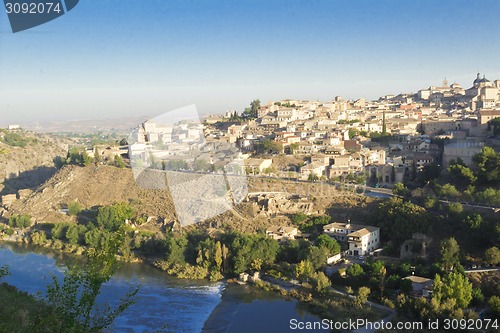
<point>15,139</point>
<point>476,184</point>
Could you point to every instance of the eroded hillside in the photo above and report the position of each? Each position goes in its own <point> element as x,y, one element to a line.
<point>93,186</point>
<point>28,162</point>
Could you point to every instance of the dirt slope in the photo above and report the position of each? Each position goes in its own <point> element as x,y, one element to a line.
<point>29,167</point>
<point>104,185</point>
<point>93,186</point>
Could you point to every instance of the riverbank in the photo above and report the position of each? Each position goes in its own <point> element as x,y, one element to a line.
<point>162,301</point>
<point>180,304</point>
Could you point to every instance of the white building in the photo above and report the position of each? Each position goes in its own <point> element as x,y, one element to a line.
<point>317,168</point>
<point>257,165</point>
<point>362,239</point>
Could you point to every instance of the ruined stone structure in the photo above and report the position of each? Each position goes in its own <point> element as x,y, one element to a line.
<point>277,203</point>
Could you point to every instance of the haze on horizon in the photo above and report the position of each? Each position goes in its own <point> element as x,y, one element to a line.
<point>124,58</point>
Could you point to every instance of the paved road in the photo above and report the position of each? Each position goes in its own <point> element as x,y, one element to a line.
<point>482,270</point>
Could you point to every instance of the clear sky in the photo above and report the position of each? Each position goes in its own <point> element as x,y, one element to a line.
<point>112,58</point>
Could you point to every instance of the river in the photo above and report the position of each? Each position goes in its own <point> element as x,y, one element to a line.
<point>162,301</point>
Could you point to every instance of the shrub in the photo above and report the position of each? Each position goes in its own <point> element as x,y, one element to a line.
<point>59,230</point>
<point>20,221</point>
<point>38,238</point>
<point>362,297</point>
<point>118,161</point>
<point>74,208</point>
<point>15,140</point>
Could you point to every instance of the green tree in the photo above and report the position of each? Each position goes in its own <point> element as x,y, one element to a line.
<point>455,208</point>
<point>494,303</point>
<point>74,208</point>
<point>86,158</point>
<point>93,237</point>
<point>321,281</point>
<point>452,287</point>
<point>15,139</point>
<point>313,177</point>
<point>477,296</point>
<point>384,126</point>
<point>353,132</point>
<point>429,172</point>
<point>489,196</point>
<point>73,302</point>
<point>74,156</point>
<point>304,269</point>
<point>325,241</point>
<point>298,218</point>
<point>254,107</point>
<point>294,147</point>
<point>362,296</point>
<point>398,219</point>
<point>473,222</point>
<point>430,202</point>
<point>400,189</point>
<point>20,221</point>
<point>75,233</point>
<point>201,165</point>
<point>252,111</point>
<point>38,237</point>
<point>118,162</point>
<point>58,230</point>
<point>317,256</point>
<point>268,146</point>
<point>175,248</point>
<point>450,253</point>
<point>494,125</point>
<point>461,175</point>
<point>112,217</point>
<point>488,165</point>
<point>59,161</point>
<point>448,191</point>
<point>355,270</point>
<point>218,256</point>
<point>492,256</point>
<point>256,264</point>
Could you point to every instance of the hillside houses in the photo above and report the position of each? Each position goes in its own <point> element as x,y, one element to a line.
<point>383,140</point>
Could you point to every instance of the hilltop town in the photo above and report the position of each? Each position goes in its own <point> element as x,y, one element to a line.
<point>380,142</point>
<point>384,196</point>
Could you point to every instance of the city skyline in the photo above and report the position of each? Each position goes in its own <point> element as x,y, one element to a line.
<point>121,58</point>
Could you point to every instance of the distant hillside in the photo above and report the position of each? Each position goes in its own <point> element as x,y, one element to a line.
<point>87,126</point>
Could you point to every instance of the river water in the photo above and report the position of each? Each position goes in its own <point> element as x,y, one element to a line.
<point>162,302</point>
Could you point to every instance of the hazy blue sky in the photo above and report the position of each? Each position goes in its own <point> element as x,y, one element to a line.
<point>108,58</point>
